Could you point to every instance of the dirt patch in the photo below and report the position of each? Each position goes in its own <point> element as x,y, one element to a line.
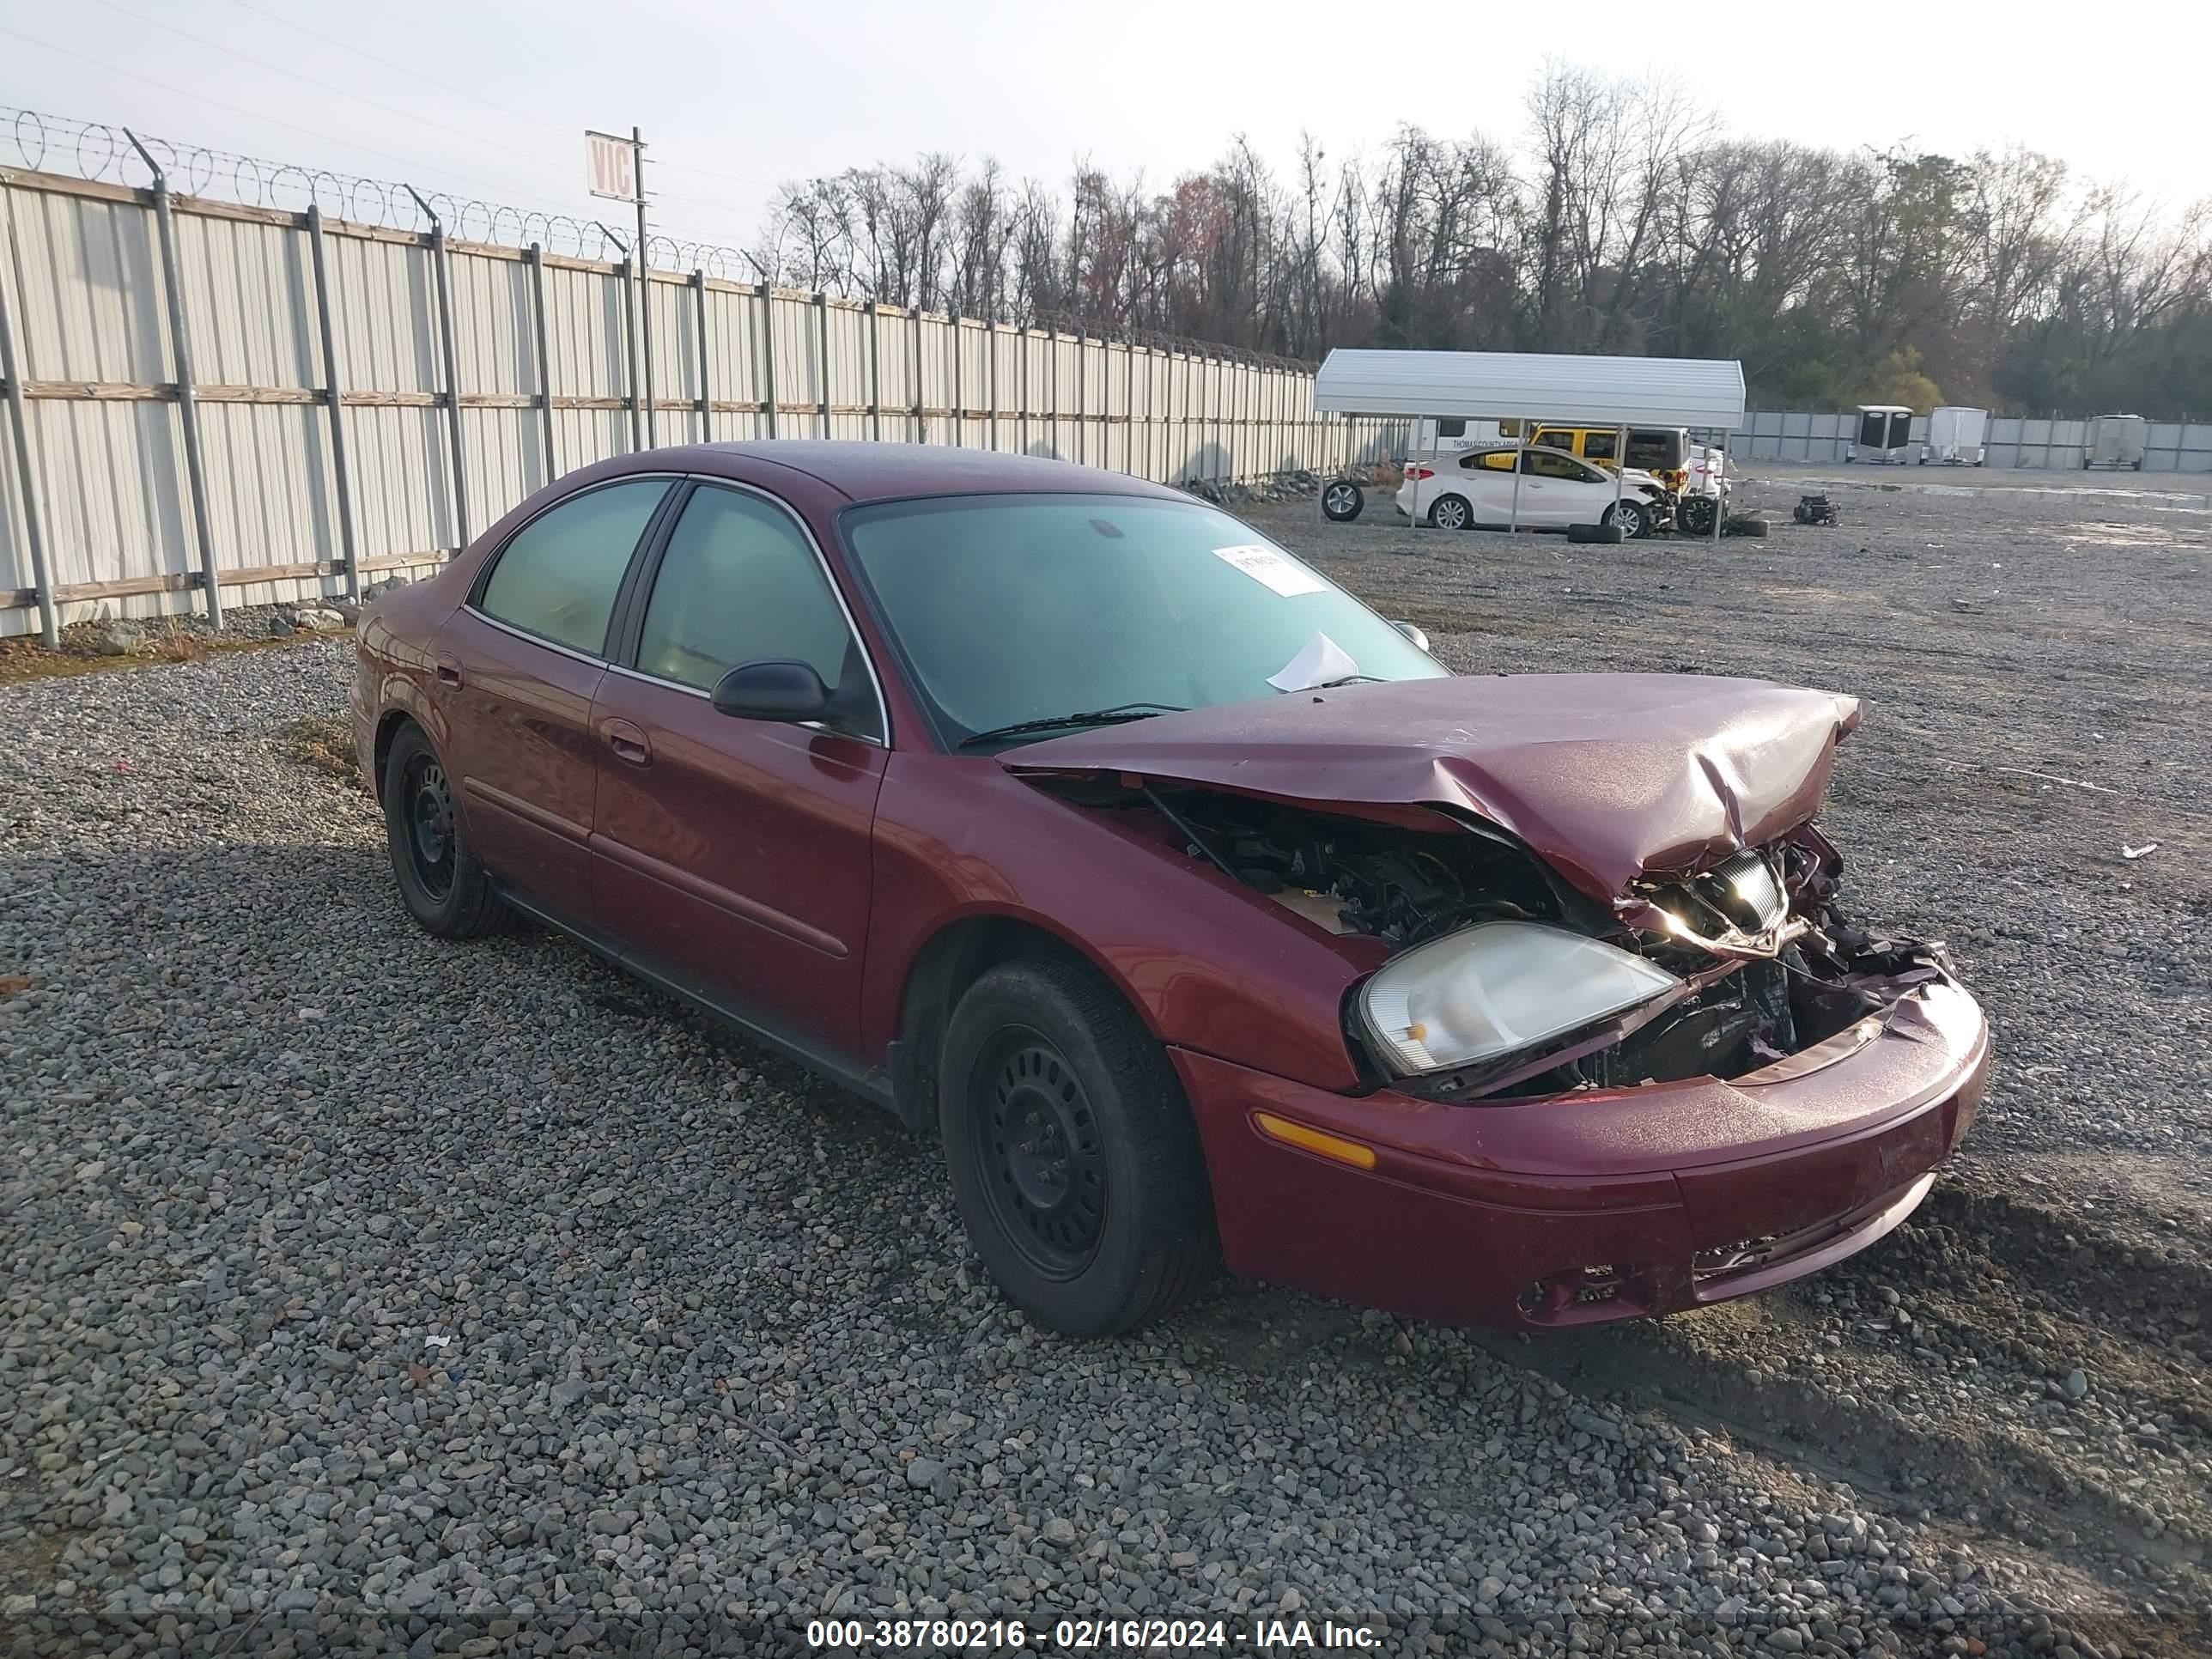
<point>85,650</point>
<point>325,742</point>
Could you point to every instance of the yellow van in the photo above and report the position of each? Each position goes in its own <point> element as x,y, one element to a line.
<point>1662,450</point>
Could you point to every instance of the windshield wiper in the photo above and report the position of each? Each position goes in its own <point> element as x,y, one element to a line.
<point>1114,716</point>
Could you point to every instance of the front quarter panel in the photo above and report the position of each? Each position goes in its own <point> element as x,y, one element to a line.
<point>1211,966</point>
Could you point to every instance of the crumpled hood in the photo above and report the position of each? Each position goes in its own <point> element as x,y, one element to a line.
<point>1608,777</point>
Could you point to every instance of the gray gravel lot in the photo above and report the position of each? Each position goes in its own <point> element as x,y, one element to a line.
<point>368,1293</point>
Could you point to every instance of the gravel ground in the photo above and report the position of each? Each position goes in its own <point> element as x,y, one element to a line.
<point>368,1293</point>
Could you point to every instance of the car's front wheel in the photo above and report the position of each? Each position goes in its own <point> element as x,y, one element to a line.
<point>1633,517</point>
<point>440,882</point>
<point>1073,1157</point>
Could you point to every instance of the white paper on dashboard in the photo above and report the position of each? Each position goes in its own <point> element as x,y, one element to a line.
<point>1321,661</point>
<point>1266,564</point>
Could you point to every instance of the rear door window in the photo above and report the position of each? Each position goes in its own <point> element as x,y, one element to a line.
<point>557,575</point>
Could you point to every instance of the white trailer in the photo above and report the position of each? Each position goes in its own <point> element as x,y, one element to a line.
<point>2117,441</point>
<point>1452,434</point>
<point>1957,436</point>
<point>1885,435</point>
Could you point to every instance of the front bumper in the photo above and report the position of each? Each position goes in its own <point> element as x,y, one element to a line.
<point>1614,1204</point>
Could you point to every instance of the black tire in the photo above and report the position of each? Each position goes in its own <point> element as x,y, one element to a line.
<point>1451,512</point>
<point>1073,1156</point>
<point>2138,467</point>
<point>1590,533</point>
<point>1342,501</point>
<point>1695,515</point>
<point>1753,527</point>
<point>440,882</point>
<point>1633,517</point>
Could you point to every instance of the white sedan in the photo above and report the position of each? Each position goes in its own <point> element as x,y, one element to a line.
<point>1475,490</point>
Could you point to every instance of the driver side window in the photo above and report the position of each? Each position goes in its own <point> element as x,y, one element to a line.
<point>741,583</point>
<point>1543,464</point>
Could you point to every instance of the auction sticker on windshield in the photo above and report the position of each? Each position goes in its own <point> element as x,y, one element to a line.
<point>1267,564</point>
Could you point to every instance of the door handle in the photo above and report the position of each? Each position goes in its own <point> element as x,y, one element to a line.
<point>629,743</point>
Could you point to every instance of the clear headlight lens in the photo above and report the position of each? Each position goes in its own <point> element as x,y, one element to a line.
<point>1496,989</point>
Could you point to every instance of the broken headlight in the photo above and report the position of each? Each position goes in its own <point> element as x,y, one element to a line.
<point>1496,989</point>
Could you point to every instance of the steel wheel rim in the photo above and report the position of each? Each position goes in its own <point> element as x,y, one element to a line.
<point>1042,1154</point>
<point>1340,498</point>
<point>430,836</point>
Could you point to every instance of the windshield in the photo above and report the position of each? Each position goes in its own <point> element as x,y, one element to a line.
<point>1014,608</point>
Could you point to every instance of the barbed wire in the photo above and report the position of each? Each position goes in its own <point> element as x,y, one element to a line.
<point>103,153</point>
<point>94,150</point>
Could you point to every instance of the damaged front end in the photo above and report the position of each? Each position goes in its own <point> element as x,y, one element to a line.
<point>1499,980</point>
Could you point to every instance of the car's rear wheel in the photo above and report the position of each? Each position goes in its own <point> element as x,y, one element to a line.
<point>1073,1157</point>
<point>1450,513</point>
<point>440,882</point>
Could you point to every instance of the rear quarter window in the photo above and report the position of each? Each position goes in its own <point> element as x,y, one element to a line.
<point>557,575</point>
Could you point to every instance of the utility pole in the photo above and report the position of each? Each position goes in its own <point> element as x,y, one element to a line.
<point>644,281</point>
<point>614,168</point>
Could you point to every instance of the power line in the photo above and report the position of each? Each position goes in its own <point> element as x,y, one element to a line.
<point>477,98</point>
<point>258,115</point>
<point>404,68</point>
<point>535,158</point>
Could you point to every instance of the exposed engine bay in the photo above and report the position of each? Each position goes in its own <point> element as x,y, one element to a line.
<point>1768,965</point>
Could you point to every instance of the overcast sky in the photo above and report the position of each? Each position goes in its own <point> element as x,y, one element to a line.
<point>737,97</point>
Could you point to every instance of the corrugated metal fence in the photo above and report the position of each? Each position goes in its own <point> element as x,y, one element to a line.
<point>2037,444</point>
<point>325,463</point>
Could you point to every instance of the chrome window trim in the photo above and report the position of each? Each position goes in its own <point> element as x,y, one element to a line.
<point>509,627</point>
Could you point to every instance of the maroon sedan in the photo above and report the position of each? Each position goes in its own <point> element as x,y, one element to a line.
<point>1206,916</point>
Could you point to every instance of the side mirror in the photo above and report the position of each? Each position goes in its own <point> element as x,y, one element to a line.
<point>1412,633</point>
<point>788,691</point>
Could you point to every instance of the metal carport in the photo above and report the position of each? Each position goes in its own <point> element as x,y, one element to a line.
<point>1522,385</point>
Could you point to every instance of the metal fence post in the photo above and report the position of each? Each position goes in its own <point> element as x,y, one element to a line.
<point>624,273</point>
<point>875,374</point>
<point>26,482</point>
<point>706,386</point>
<point>991,378</point>
<point>180,355</point>
<point>768,350</point>
<point>438,263</point>
<point>536,257</point>
<point>1022,392</point>
<point>821,334</point>
<point>341,474</point>
<point>921,381</point>
<point>1082,403</point>
<point>959,383</point>
<point>1052,384</point>
<point>1129,407</point>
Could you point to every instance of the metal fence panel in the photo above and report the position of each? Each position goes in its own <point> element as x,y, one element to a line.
<point>544,359</point>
